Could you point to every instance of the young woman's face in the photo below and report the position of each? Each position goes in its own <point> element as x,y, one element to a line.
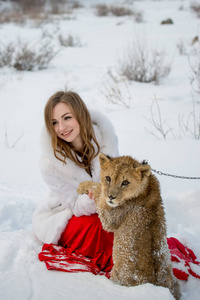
<point>66,126</point>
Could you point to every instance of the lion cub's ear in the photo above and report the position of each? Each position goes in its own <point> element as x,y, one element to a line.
<point>103,159</point>
<point>145,170</point>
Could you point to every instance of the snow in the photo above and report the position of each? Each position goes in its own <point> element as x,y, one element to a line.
<point>85,70</point>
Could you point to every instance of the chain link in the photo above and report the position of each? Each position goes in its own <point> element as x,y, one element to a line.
<point>174,176</point>
<point>145,162</point>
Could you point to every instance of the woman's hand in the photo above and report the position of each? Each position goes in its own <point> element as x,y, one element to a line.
<point>91,195</point>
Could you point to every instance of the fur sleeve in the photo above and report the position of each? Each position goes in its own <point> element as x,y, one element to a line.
<point>84,206</point>
<point>64,190</point>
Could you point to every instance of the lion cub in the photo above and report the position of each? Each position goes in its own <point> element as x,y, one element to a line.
<point>129,204</point>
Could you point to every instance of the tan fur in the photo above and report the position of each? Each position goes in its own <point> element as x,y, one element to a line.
<point>129,204</point>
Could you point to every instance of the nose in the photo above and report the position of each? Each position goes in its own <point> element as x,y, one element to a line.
<point>61,125</point>
<point>111,197</point>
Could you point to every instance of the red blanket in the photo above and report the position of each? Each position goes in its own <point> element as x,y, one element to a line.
<point>58,258</point>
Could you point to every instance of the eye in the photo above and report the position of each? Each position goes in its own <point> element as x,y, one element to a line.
<point>108,179</point>
<point>66,118</point>
<point>125,182</point>
<point>54,123</point>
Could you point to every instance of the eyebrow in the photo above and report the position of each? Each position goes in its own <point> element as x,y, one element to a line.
<point>68,113</point>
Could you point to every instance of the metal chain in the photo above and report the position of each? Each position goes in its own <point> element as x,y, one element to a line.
<point>145,162</point>
<point>175,176</point>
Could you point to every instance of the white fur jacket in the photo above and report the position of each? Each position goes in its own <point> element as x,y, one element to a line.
<point>63,201</point>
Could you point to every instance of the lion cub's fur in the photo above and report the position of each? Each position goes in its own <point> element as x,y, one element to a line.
<point>129,204</point>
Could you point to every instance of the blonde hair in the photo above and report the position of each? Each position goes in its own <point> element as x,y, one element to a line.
<point>62,149</point>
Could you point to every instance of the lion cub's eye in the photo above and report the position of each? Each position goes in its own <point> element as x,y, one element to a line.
<point>125,182</point>
<point>108,179</point>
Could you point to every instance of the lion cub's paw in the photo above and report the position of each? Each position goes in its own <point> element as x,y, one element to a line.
<point>84,187</point>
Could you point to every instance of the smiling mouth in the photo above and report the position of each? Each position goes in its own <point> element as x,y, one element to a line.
<point>67,133</point>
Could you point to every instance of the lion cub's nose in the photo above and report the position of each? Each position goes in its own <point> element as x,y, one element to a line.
<point>111,197</point>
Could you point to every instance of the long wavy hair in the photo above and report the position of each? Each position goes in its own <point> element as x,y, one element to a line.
<point>61,148</point>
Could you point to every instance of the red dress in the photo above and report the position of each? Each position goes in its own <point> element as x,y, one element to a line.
<point>84,246</point>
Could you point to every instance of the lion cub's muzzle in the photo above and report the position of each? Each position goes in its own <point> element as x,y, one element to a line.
<point>110,201</point>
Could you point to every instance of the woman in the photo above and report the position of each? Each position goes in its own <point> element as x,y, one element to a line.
<point>71,141</point>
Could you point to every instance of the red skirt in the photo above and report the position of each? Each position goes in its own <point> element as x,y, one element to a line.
<point>85,236</point>
<point>84,246</point>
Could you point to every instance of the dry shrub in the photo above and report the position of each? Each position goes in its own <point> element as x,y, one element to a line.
<point>198,78</point>
<point>160,126</point>
<point>18,16</point>
<point>27,6</point>
<point>102,10</point>
<point>115,90</point>
<point>23,56</point>
<point>29,58</point>
<point>196,8</point>
<point>6,55</point>
<point>12,16</point>
<point>191,123</point>
<point>62,6</point>
<point>194,63</point>
<point>39,11</point>
<point>76,5</point>
<point>69,41</point>
<point>181,47</point>
<point>138,15</point>
<point>120,11</point>
<point>142,63</point>
<point>58,7</point>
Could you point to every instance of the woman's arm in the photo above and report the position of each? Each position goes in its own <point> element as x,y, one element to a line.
<point>65,192</point>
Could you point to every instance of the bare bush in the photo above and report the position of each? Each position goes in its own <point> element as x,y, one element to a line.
<point>59,7</point>
<point>17,15</point>
<point>143,64</point>
<point>195,7</point>
<point>191,123</point>
<point>28,6</point>
<point>181,47</point>
<point>6,55</point>
<point>161,127</point>
<point>69,41</point>
<point>188,46</point>
<point>76,5</point>
<point>115,90</point>
<point>39,11</point>
<point>25,56</point>
<point>120,11</point>
<point>12,16</point>
<point>29,58</point>
<point>54,7</point>
<point>62,6</point>
<point>194,62</point>
<point>7,143</point>
<point>138,15</point>
<point>188,125</point>
<point>198,79</point>
<point>102,10</point>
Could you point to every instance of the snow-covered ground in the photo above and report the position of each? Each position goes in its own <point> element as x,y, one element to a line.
<point>85,70</point>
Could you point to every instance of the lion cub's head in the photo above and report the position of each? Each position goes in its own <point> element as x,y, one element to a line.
<point>122,178</point>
